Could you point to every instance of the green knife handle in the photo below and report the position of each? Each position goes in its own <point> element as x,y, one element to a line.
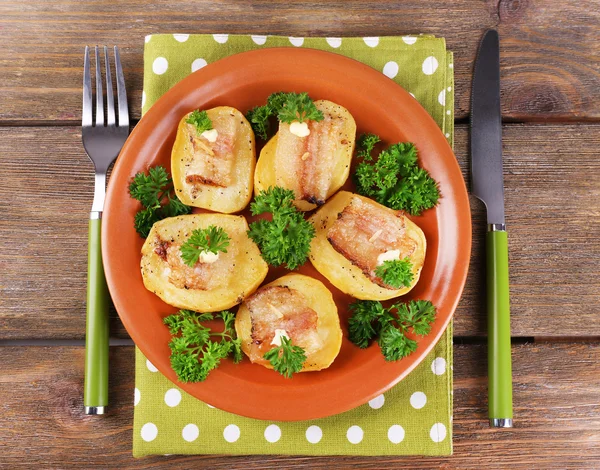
<point>95,394</point>
<point>499,349</point>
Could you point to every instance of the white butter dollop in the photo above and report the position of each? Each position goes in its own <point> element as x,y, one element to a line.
<point>278,335</point>
<point>211,135</point>
<point>208,257</point>
<point>390,255</point>
<point>299,128</point>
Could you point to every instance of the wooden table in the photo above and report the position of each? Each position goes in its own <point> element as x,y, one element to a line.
<point>551,107</point>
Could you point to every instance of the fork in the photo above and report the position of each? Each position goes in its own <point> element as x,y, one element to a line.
<point>102,142</point>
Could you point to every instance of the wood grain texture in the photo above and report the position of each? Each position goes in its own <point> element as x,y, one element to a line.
<point>550,53</point>
<point>556,415</point>
<point>553,217</point>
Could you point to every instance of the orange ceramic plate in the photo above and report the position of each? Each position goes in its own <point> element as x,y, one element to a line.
<point>379,106</point>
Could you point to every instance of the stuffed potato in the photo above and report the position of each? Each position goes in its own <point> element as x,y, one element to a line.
<point>301,307</point>
<point>215,175</point>
<point>316,166</point>
<point>353,235</point>
<point>208,286</point>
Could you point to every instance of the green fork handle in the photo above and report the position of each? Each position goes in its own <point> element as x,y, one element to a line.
<point>95,394</point>
<point>499,349</point>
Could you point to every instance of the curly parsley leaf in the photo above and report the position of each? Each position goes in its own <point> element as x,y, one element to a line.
<point>365,145</point>
<point>200,120</point>
<point>156,194</point>
<point>370,319</point>
<point>394,179</point>
<point>258,118</point>
<point>396,273</point>
<point>286,359</point>
<point>284,240</point>
<point>204,240</point>
<point>193,353</point>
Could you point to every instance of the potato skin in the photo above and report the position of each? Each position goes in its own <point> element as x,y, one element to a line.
<point>328,322</point>
<point>227,200</point>
<point>339,270</point>
<point>250,269</point>
<point>265,176</point>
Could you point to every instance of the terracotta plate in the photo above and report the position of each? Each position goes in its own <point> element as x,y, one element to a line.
<point>379,106</point>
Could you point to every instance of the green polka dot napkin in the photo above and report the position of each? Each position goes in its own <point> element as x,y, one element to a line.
<point>415,416</point>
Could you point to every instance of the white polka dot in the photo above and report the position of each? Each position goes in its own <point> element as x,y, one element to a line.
<point>409,39</point>
<point>260,40</point>
<point>418,400</point>
<point>449,88</point>
<point>136,396</point>
<point>198,64</point>
<point>149,432</point>
<point>447,137</point>
<point>314,434</point>
<point>448,112</point>
<point>377,402</point>
<point>354,434</point>
<point>430,65</point>
<point>438,432</point>
<point>451,66</point>
<point>372,41</point>
<point>190,432</point>
<point>160,65</point>
<point>231,433</point>
<point>143,98</point>
<point>334,42</point>
<point>172,397</point>
<point>181,37</point>
<point>296,41</point>
<point>396,434</point>
<point>412,94</point>
<point>221,38</point>
<point>210,406</point>
<point>150,366</point>
<point>272,433</point>
<point>390,69</point>
<point>442,97</point>
<point>147,38</point>
<point>438,366</point>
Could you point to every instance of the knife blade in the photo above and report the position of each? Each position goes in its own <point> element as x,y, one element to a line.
<point>487,184</point>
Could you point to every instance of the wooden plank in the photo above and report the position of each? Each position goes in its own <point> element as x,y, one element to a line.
<point>550,56</point>
<point>42,421</point>
<point>553,216</point>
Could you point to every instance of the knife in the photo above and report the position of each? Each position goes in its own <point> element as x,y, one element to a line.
<point>488,186</point>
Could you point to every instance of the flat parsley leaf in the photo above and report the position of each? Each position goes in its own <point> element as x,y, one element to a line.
<point>200,120</point>
<point>156,194</point>
<point>370,319</point>
<point>193,353</point>
<point>284,240</point>
<point>204,240</point>
<point>286,359</point>
<point>396,273</point>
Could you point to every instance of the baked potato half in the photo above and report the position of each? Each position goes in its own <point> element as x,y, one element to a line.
<point>316,166</point>
<point>353,235</point>
<point>208,286</point>
<point>300,306</point>
<point>215,175</point>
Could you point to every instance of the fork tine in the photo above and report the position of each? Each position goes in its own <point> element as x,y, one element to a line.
<point>86,114</point>
<point>121,92</point>
<point>110,101</point>
<point>99,96</point>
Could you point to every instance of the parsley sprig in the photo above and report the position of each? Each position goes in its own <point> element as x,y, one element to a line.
<point>288,107</point>
<point>286,359</point>
<point>204,240</point>
<point>286,238</point>
<point>156,193</point>
<point>370,319</point>
<point>194,352</point>
<point>396,273</point>
<point>200,120</point>
<point>395,179</point>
